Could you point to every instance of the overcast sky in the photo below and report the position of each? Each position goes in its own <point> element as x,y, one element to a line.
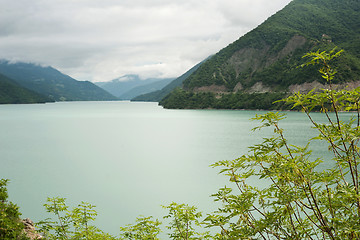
<point>99,40</point>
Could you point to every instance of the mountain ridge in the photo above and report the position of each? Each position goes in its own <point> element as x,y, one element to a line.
<point>266,59</point>
<point>156,96</point>
<point>51,83</point>
<point>131,85</point>
<point>145,89</point>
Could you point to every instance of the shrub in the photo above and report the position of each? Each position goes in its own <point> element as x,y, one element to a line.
<point>11,226</point>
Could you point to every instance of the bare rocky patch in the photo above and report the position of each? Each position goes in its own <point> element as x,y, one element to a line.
<point>259,87</point>
<point>306,87</point>
<point>212,88</point>
<point>30,231</point>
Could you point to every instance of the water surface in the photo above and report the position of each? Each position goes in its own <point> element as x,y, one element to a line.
<point>125,158</point>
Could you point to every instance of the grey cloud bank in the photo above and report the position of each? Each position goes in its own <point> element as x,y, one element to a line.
<point>99,40</point>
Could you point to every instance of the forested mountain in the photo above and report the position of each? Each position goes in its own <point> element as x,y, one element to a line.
<point>263,64</point>
<point>158,95</point>
<point>129,86</point>
<point>51,83</point>
<point>11,93</point>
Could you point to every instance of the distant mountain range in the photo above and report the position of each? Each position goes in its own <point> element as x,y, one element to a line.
<point>262,66</point>
<point>145,89</point>
<point>31,83</point>
<point>129,86</point>
<point>48,83</point>
<point>157,96</point>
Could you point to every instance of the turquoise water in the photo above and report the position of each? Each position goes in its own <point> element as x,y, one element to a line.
<point>126,158</point>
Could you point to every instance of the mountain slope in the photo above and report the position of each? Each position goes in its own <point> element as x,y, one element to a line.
<point>157,96</point>
<point>51,83</point>
<point>266,58</point>
<point>146,88</point>
<point>11,93</point>
<point>121,86</point>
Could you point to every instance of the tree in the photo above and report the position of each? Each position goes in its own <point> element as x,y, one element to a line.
<point>71,224</point>
<point>144,229</point>
<point>11,226</point>
<point>293,198</point>
<point>184,222</point>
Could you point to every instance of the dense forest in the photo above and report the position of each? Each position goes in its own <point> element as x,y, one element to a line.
<point>240,100</point>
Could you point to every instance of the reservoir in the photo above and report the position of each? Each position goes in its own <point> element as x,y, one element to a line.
<point>125,158</point>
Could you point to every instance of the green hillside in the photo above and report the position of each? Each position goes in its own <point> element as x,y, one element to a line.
<point>53,84</point>
<point>11,93</point>
<point>266,58</point>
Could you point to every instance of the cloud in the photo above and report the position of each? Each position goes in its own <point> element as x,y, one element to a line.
<point>100,40</point>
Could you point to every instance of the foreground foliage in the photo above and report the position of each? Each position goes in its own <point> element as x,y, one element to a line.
<point>70,224</point>
<point>185,222</point>
<point>11,226</point>
<point>293,197</point>
<point>144,228</point>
